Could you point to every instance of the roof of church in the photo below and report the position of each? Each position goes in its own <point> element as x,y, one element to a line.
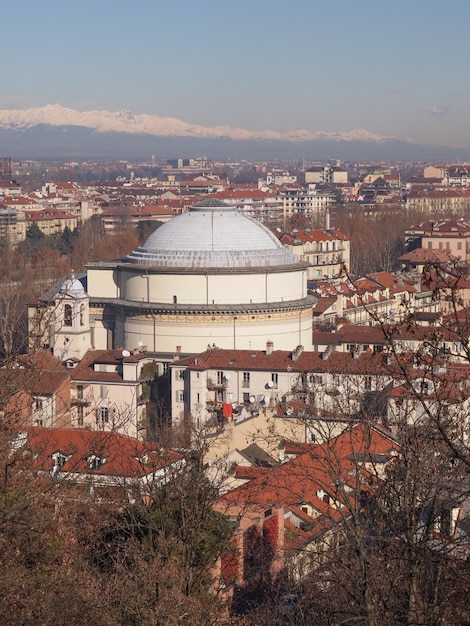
<point>212,234</point>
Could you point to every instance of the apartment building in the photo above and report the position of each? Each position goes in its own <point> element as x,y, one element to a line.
<point>326,251</point>
<point>450,236</point>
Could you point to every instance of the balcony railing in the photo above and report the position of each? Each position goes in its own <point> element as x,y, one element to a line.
<point>214,384</point>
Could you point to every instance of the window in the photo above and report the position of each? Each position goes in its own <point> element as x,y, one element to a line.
<point>80,419</point>
<point>429,245</point>
<point>80,392</point>
<point>179,374</point>
<point>179,396</point>
<point>220,378</point>
<point>102,415</point>
<point>95,462</point>
<point>368,383</point>
<point>275,380</point>
<point>38,404</point>
<point>59,459</point>
<point>447,246</point>
<point>459,245</point>
<point>67,315</point>
<point>246,379</point>
<point>246,398</point>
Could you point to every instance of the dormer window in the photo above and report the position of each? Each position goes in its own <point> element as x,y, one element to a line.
<point>59,459</point>
<point>95,462</point>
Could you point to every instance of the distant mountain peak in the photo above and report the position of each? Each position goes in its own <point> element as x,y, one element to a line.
<point>125,121</point>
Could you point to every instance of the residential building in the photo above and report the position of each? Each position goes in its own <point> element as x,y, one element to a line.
<point>49,221</point>
<point>221,386</point>
<point>110,391</point>
<point>449,236</point>
<point>110,463</point>
<point>334,174</point>
<point>299,505</point>
<point>35,391</point>
<point>326,251</point>
<point>313,200</point>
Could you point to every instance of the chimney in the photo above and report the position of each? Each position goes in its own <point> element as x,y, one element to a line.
<point>297,352</point>
<point>269,348</point>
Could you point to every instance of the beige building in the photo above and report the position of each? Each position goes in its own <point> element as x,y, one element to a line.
<point>108,391</point>
<point>326,251</point>
<point>49,221</point>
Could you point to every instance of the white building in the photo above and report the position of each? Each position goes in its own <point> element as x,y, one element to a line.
<point>209,276</point>
<point>220,385</point>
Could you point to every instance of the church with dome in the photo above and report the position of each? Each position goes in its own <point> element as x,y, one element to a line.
<point>209,277</point>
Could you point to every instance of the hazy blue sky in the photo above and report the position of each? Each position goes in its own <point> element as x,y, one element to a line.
<point>397,68</point>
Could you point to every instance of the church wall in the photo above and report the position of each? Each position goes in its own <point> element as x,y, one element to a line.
<point>212,288</point>
<point>101,283</point>
<point>168,333</point>
<point>99,337</point>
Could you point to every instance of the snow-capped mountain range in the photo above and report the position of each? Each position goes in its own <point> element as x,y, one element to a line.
<point>55,115</point>
<point>54,131</point>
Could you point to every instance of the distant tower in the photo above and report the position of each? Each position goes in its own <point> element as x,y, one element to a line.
<point>5,168</point>
<point>70,331</point>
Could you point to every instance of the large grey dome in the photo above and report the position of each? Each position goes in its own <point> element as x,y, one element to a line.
<point>212,235</point>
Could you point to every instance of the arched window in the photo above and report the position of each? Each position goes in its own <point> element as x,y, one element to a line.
<point>82,315</point>
<point>67,315</point>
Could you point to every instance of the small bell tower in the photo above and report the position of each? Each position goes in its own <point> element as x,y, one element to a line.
<point>71,337</point>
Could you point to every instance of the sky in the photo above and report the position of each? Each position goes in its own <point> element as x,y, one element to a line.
<point>398,69</point>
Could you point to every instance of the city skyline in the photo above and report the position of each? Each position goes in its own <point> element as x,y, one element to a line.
<point>257,66</point>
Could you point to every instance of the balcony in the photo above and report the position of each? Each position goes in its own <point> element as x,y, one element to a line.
<point>213,384</point>
<point>80,402</point>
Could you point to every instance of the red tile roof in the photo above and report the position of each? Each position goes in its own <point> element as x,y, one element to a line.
<point>123,456</point>
<point>318,468</point>
<point>281,360</point>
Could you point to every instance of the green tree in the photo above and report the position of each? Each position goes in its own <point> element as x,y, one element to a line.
<point>34,233</point>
